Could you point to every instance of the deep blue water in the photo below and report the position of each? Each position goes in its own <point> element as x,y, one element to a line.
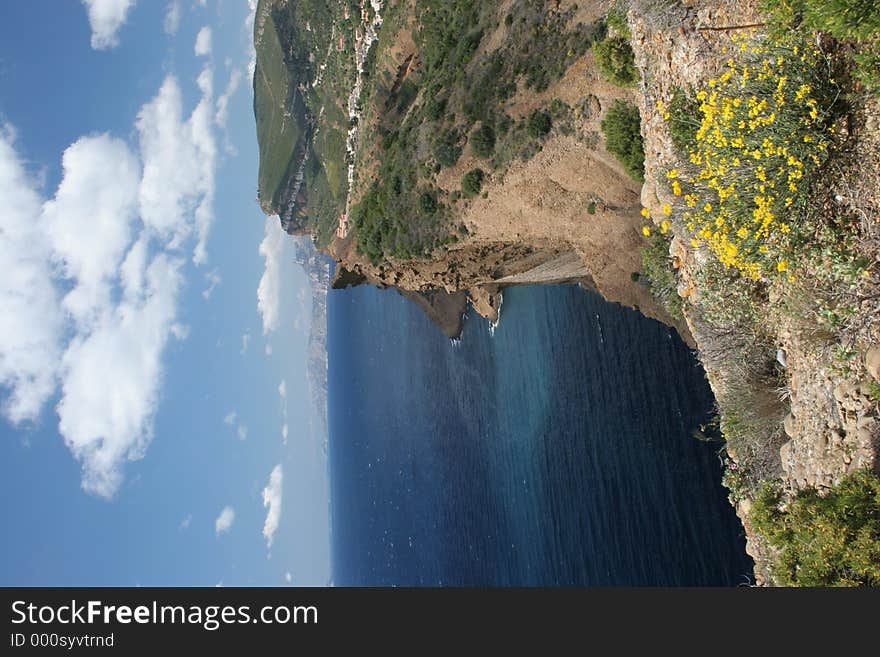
<point>558,452</point>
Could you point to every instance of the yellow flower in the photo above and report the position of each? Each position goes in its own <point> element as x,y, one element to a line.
<point>676,188</point>
<point>665,226</point>
<point>645,213</point>
<point>672,174</point>
<point>667,209</point>
<point>782,265</point>
<point>646,231</point>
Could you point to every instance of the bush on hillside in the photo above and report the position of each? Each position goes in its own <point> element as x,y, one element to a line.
<point>623,138</point>
<point>615,61</point>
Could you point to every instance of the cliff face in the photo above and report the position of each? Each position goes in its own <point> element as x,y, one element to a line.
<point>561,209</point>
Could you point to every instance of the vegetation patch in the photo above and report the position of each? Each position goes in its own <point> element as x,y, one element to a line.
<point>623,138</point>
<point>482,141</point>
<point>830,540</point>
<point>657,269</point>
<point>616,62</point>
<point>766,127</point>
<point>472,183</point>
<point>683,118</point>
<point>539,124</point>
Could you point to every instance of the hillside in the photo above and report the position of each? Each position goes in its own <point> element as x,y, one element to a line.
<point>708,162</point>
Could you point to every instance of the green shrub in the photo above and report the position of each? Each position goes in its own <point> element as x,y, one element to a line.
<point>591,207</point>
<point>657,269</point>
<point>847,20</point>
<point>684,120</point>
<point>616,20</point>
<point>615,61</point>
<point>824,541</point>
<point>435,108</point>
<point>446,148</point>
<point>472,183</point>
<point>482,141</point>
<point>842,19</point>
<point>868,67</point>
<point>428,203</point>
<point>539,124</point>
<point>766,128</point>
<point>623,138</point>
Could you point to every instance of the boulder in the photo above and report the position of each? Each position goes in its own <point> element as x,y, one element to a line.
<point>790,425</point>
<point>872,362</point>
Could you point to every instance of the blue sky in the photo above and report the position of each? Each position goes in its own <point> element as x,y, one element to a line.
<point>152,322</point>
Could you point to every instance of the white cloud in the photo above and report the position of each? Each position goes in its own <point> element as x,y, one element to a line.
<point>172,18</point>
<point>31,321</point>
<point>268,350</point>
<point>284,433</point>
<point>231,420</point>
<point>185,523</point>
<point>282,389</point>
<point>89,222</point>
<point>180,331</point>
<point>177,190</point>
<point>105,425</point>
<point>245,342</point>
<point>272,501</point>
<point>110,238</point>
<point>224,521</point>
<point>105,18</point>
<point>203,42</point>
<point>222,113</point>
<point>288,577</point>
<point>249,21</point>
<point>213,279</point>
<point>269,290</point>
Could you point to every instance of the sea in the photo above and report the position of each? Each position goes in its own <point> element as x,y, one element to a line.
<point>554,449</point>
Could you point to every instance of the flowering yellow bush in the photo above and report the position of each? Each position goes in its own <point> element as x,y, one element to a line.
<point>763,128</point>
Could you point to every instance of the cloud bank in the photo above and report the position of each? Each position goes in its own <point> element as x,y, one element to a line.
<point>269,289</point>
<point>31,322</point>
<point>89,297</point>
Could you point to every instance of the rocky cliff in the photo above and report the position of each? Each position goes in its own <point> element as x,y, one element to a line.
<point>530,223</point>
